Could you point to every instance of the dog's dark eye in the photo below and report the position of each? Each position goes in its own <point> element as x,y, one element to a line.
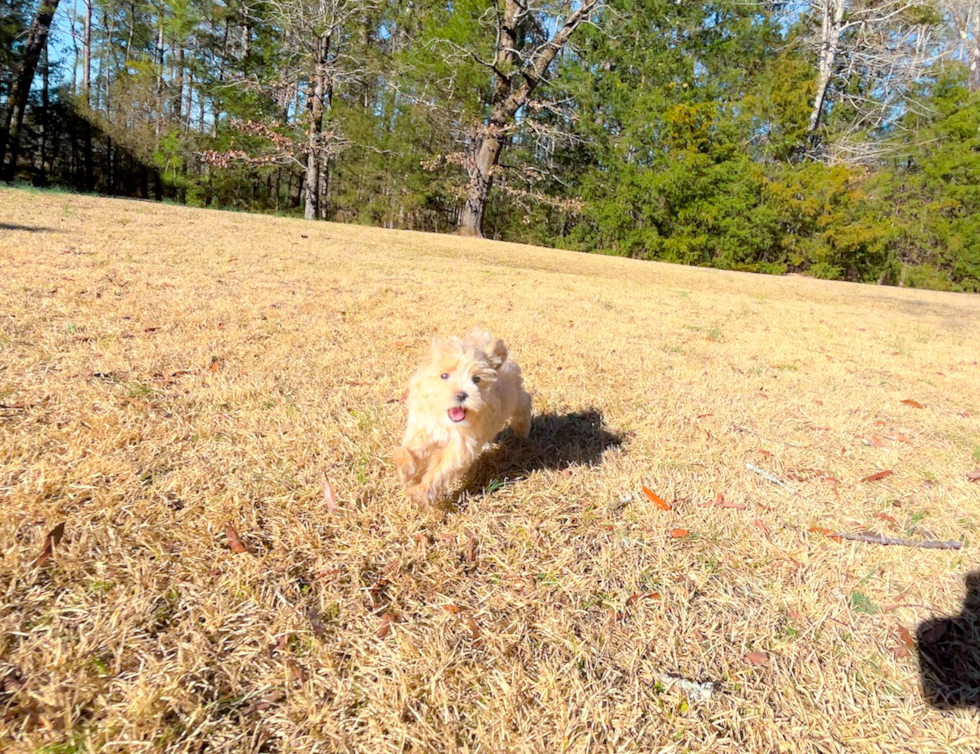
<point>476,380</point>
<point>444,376</point>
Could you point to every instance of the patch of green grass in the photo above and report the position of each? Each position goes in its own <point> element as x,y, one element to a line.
<point>140,390</point>
<point>492,486</point>
<point>860,603</point>
<point>914,521</point>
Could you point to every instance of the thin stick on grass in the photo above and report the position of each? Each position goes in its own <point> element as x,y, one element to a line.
<point>769,476</point>
<point>878,539</point>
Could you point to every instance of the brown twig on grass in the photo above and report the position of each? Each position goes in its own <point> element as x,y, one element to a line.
<point>878,539</point>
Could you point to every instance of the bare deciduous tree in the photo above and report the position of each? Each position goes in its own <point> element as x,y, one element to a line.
<point>884,43</point>
<point>965,18</point>
<point>523,55</point>
<point>316,39</point>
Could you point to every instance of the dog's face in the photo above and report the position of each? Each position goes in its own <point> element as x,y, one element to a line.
<point>453,384</point>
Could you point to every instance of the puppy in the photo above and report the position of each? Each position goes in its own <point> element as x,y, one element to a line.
<point>460,397</point>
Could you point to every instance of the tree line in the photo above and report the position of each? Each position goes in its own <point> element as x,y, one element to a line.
<point>836,138</point>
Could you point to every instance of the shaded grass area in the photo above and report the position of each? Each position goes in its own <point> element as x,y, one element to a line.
<point>166,372</point>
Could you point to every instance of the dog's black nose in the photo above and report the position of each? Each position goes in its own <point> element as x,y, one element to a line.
<point>461,396</point>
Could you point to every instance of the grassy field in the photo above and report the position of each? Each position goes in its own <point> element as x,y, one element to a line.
<point>167,372</point>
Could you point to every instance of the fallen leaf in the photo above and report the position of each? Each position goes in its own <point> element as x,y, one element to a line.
<point>678,533</point>
<point>886,517</point>
<point>963,414</point>
<point>905,636</point>
<point>757,658</point>
<point>50,542</point>
<point>385,628</point>
<point>879,475</point>
<point>879,423</point>
<point>722,503</point>
<point>263,702</point>
<point>448,538</point>
<point>765,453</point>
<point>657,500</point>
<point>215,364</point>
<point>234,541</point>
<point>877,441</point>
<point>642,596</point>
<point>831,479</point>
<point>316,623</point>
<point>296,671</point>
<point>825,532</point>
<point>703,416</point>
<point>761,527</point>
<point>378,590</point>
<point>453,609</point>
<point>796,615</point>
<point>913,404</point>
<point>974,476</point>
<point>471,549</point>
<point>474,629</point>
<point>328,495</point>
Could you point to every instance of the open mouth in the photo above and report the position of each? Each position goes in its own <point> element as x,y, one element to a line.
<point>457,413</point>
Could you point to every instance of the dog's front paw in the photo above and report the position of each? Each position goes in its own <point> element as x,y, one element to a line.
<point>422,495</point>
<point>407,465</point>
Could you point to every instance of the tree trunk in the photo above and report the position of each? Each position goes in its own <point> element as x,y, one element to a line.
<point>314,147</point>
<point>512,88</point>
<point>37,38</point>
<point>89,169</point>
<point>161,88</point>
<point>967,20</point>
<point>45,117</point>
<point>177,103</point>
<point>87,54</point>
<point>833,20</point>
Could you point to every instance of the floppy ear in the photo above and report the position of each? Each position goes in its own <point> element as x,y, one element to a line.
<point>497,353</point>
<point>494,348</point>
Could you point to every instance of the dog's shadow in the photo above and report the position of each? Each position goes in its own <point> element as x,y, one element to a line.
<point>949,654</point>
<point>555,442</point>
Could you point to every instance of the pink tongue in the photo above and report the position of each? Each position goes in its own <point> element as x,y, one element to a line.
<point>457,414</point>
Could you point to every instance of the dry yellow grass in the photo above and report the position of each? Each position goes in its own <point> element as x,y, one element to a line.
<point>165,372</point>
